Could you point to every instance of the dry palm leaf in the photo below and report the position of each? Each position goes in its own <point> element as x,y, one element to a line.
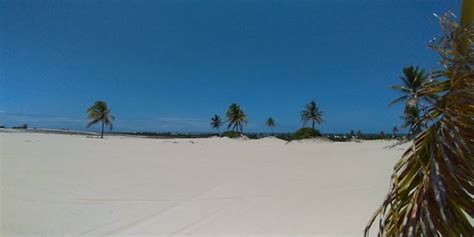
<point>432,186</point>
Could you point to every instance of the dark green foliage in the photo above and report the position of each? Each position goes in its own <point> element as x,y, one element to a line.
<point>236,118</point>
<point>312,113</point>
<point>413,121</point>
<point>270,123</point>
<point>304,133</point>
<point>166,135</point>
<point>24,126</point>
<point>231,134</point>
<point>216,123</point>
<point>413,81</point>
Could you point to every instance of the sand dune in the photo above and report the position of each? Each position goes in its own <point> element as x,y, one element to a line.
<point>121,186</point>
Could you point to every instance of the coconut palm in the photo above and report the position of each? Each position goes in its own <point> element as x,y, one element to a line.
<point>432,185</point>
<point>216,123</point>
<point>311,112</point>
<point>236,118</point>
<point>270,123</point>
<point>413,121</point>
<point>99,112</point>
<point>413,80</point>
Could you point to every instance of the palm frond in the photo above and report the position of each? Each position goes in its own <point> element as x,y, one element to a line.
<point>92,122</point>
<point>400,88</point>
<point>433,184</point>
<point>99,112</point>
<point>236,117</point>
<point>311,112</point>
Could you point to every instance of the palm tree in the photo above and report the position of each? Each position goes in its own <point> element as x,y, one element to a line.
<point>413,80</point>
<point>216,123</point>
<point>236,118</point>
<point>413,121</point>
<point>311,112</point>
<point>432,185</point>
<point>394,131</point>
<point>99,112</point>
<point>270,123</point>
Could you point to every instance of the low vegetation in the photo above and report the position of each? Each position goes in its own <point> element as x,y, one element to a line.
<point>231,134</point>
<point>24,126</point>
<point>305,133</point>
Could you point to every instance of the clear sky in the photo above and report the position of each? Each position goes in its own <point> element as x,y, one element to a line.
<point>171,65</point>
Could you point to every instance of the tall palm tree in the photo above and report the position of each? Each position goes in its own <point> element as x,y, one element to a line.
<point>270,123</point>
<point>216,123</point>
<point>99,112</point>
<point>413,121</point>
<point>236,118</point>
<point>413,80</point>
<point>432,185</point>
<point>311,112</point>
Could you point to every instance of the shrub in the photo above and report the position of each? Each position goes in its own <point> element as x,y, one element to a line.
<point>24,126</point>
<point>231,134</point>
<point>304,133</point>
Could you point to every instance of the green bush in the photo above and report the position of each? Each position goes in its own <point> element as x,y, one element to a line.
<point>304,133</point>
<point>231,134</point>
<point>24,126</point>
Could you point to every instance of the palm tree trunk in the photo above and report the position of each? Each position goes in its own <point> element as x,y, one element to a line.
<point>102,133</point>
<point>313,124</point>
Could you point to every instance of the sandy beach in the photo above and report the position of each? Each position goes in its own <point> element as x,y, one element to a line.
<point>72,185</point>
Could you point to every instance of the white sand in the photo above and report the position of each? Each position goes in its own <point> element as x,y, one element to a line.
<point>72,185</point>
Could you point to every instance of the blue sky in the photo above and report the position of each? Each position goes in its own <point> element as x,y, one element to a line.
<point>171,65</point>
